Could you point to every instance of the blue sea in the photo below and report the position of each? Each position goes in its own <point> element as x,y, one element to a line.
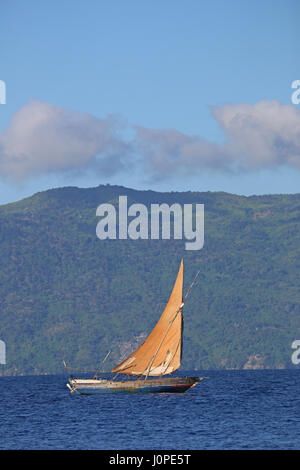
<point>229,410</point>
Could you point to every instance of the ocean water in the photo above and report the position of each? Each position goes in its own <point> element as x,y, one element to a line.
<point>229,410</point>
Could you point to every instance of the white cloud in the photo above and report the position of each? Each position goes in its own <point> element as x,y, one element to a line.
<point>264,135</point>
<point>260,136</point>
<point>43,138</point>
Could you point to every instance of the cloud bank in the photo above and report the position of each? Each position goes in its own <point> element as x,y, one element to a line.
<point>260,136</point>
<point>43,138</point>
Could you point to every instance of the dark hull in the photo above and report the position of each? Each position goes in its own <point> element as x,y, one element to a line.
<point>161,385</point>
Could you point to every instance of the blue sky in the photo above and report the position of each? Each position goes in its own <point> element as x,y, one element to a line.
<point>184,69</point>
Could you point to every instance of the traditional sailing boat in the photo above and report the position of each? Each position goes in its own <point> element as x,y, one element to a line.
<point>159,355</point>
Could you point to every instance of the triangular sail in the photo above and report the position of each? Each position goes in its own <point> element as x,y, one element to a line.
<point>160,353</point>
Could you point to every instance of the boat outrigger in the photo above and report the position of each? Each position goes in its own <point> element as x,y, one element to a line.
<point>159,355</point>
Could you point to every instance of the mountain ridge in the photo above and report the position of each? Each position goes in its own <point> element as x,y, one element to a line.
<point>65,294</point>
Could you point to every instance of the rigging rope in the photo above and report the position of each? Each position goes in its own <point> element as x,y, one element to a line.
<point>191,286</point>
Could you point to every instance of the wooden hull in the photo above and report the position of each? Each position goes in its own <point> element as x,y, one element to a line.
<point>161,385</point>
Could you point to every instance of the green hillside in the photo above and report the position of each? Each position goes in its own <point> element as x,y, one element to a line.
<point>65,294</point>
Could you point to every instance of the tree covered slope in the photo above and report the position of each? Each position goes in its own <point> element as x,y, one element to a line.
<point>65,294</point>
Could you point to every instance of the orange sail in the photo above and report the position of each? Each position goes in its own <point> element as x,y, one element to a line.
<point>160,353</point>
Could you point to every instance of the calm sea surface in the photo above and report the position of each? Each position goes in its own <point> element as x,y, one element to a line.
<point>229,410</point>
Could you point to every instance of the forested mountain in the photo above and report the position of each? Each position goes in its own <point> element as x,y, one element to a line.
<point>66,294</point>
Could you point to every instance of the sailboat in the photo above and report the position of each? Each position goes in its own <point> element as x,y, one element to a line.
<point>159,355</point>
